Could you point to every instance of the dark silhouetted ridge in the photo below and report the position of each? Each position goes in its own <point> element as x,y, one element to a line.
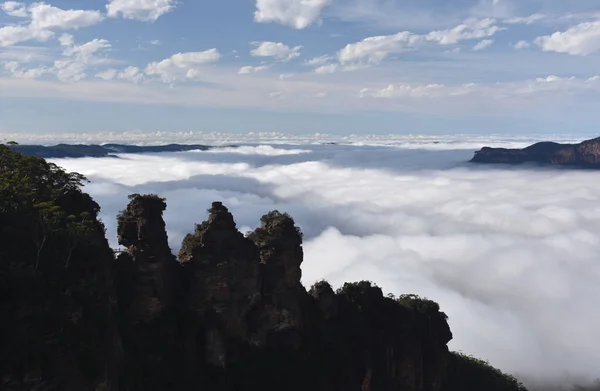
<point>105,150</point>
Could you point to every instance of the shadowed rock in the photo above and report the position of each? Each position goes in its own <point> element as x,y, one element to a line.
<point>224,280</point>
<point>280,321</point>
<point>147,262</point>
<point>584,154</point>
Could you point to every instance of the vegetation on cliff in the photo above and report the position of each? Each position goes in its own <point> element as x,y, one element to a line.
<point>55,299</point>
<point>230,314</point>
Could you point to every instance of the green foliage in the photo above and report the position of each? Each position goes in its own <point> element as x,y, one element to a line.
<point>467,373</point>
<point>54,263</point>
<point>320,286</point>
<point>420,304</point>
<point>275,226</point>
<point>27,181</point>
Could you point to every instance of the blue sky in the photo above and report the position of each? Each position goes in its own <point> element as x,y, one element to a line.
<point>300,66</point>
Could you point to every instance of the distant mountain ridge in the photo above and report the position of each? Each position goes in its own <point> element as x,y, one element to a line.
<point>94,150</point>
<point>584,154</point>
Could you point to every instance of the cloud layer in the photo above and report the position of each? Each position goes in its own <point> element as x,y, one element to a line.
<point>509,252</point>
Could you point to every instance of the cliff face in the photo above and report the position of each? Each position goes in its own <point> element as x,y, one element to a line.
<point>58,328</point>
<point>229,314</point>
<point>252,323</point>
<point>585,154</point>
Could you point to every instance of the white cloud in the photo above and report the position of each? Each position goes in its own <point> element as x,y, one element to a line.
<point>44,16</point>
<point>276,50</point>
<point>131,74</point>
<point>108,74</point>
<point>483,44</point>
<point>321,60</point>
<point>10,35</point>
<point>375,49</point>
<point>490,93</point>
<point>470,29</point>
<point>582,39</point>
<point>329,68</point>
<point>78,58</point>
<point>32,73</point>
<point>252,69</point>
<point>182,65</point>
<point>43,19</point>
<point>66,40</point>
<point>298,14</point>
<point>513,265</point>
<point>430,91</point>
<point>72,66</point>
<point>522,45</point>
<point>524,19</point>
<point>14,8</point>
<point>144,10</point>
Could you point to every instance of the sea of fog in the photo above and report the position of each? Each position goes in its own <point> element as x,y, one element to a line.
<point>511,253</point>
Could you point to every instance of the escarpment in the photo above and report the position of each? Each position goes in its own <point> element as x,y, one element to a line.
<point>585,154</point>
<point>229,313</point>
<point>245,319</point>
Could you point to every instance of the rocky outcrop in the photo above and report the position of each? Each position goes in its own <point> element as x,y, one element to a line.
<point>146,265</point>
<point>584,154</point>
<point>224,281</point>
<point>230,314</point>
<point>248,304</point>
<point>148,282</point>
<point>280,319</point>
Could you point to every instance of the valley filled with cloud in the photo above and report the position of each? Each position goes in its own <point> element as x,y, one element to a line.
<point>509,252</point>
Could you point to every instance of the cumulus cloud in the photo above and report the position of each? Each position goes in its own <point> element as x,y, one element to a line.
<point>15,70</point>
<point>73,64</point>
<point>144,10</point>
<point>13,8</point>
<point>44,16</point>
<point>376,49</point>
<point>44,19</point>
<point>182,65</point>
<point>470,29</point>
<point>582,39</point>
<point>130,74</point>
<point>373,50</point>
<point>522,45</point>
<point>9,35</point>
<point>510,257</point>
<point>483,44</point>
<point>298,14</point>
<point>78,58</point>
<point>275,50</point>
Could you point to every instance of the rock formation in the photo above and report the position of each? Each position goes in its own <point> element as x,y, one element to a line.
<point>584,154</point>
<point>229,314</point>
<point>224,281</point>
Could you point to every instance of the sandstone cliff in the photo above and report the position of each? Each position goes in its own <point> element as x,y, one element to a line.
<point>584,154</point>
